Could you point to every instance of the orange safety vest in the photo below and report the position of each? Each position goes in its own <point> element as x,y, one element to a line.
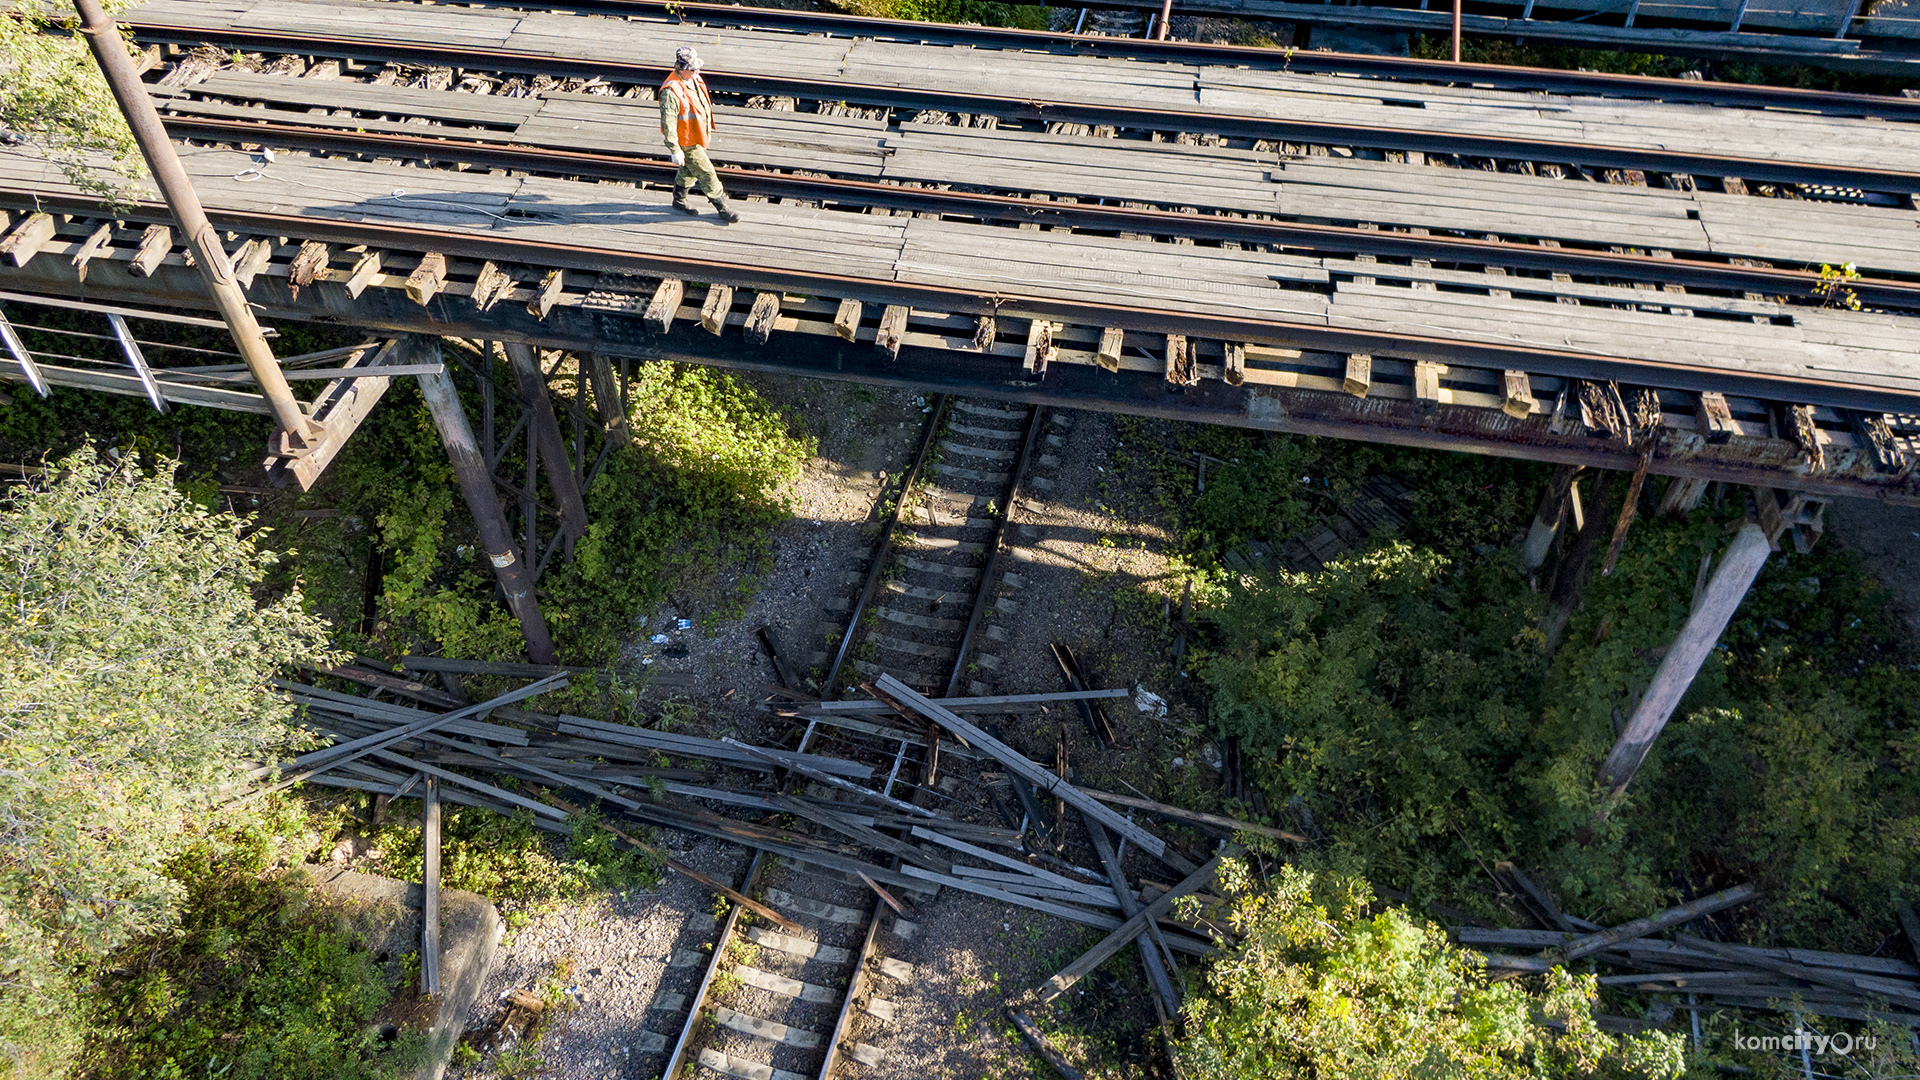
<point>695,127</point>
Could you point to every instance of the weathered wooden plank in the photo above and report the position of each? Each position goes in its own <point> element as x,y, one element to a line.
<point>893,326</point>
<point>1359,376</point>
<point>25,241</point>
<point>759,325</point>
<point>428,278</point>
<point>846,319</point>
<point>718,305</point>
<point>1017,762</point>
<point>1127,931</point>
<point>664,305</point>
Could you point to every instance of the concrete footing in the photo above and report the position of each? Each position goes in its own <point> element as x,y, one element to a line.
<point>386,913</point>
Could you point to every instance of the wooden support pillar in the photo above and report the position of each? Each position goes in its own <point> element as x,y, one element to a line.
<point>1570,576</point>
<point>1628,507</point>
<point>1547,518</point>
<point>476,484</point>
<point>1682,495</point>
<point>607,398</point>
<point>430,879</point>
<point>1741,563</point>
<point>532,383</point>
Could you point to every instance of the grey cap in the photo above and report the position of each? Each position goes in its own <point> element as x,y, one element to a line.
<point>686,59</point>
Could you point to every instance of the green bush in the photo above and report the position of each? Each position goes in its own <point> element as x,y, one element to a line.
<point>1320,984</point>
<point>1384,696</point>
<point>981,12</point>
<point>1402,698</point>
<point>509,860</point>
<point>260,980</point>
<point>702,485</point>
<point>133,663</point>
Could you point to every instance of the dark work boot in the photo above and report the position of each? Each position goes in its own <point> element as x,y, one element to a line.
<point>680,202</point>
<point>727,213</point>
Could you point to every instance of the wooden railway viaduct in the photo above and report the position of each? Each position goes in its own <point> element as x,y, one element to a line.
<point>1596,271</point>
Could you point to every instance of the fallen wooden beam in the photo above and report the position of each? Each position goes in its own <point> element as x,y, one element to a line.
<point>430,879</point>
<point>1196,816</point>
<point>1040,1043</point>
<point>1019,763</point>
<point>683,869</point>
<point>1592,943</point>
<point>812,773</point>
<point>1095,919</point>
<point>923,833</point>
<point>367,677</point>
<point>1910,925</point>
<point>504,669</point>
<point>870,837</point>
<point>1538,895</point>
<point>333,756</point>
<point>999,703</point>
<point>1151,943</point>
<point>497,794</point>
<point>1127,931</point>
<point>1904,994</point>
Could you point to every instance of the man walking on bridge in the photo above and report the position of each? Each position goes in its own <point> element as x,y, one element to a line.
<point>686,123</point>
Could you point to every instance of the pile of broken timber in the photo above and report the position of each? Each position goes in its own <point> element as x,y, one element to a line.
<point>1715,974</point>
<point>671,780</point>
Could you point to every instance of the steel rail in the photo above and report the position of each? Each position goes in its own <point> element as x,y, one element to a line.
<point>488,245</point>
<point>748,882</point>
<point>859,972</point>
<point>1691,273</point>
<point>996,547</point>
<point>853,986</point>
<point>1494,76</point>
<point>1179,120</point>
<point>884,548</point>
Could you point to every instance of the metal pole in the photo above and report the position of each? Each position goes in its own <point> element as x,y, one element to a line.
<point>20,356</point>
<point>297,432</point>
<point>476,483</point>
<point>1166,15</point>
<point>1456,30</point>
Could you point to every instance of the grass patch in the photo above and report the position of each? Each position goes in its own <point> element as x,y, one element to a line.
<point>512,862</point>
